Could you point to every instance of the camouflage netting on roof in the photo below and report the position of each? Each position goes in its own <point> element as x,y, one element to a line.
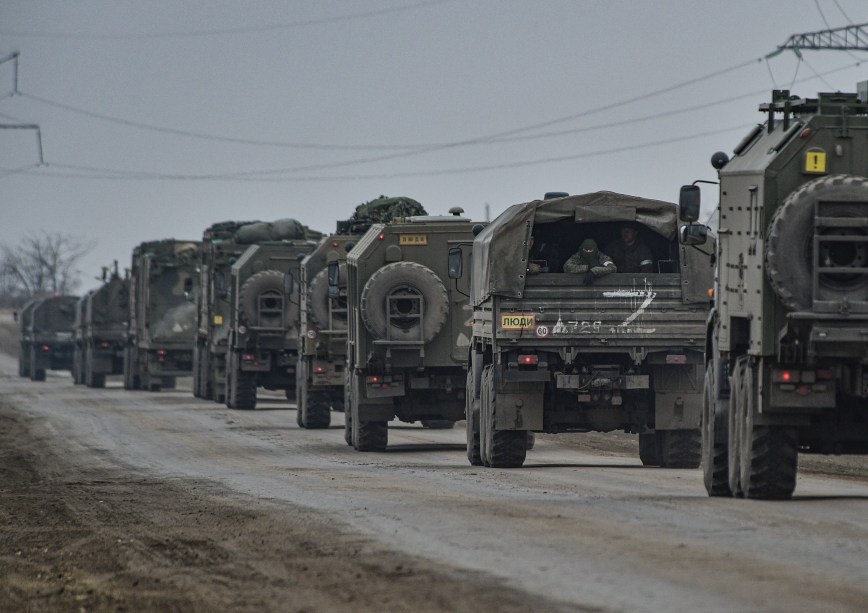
<point>498,250</point>
<point>278,230</point>
<point>384,210</point>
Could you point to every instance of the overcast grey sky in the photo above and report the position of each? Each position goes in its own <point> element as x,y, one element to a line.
<point>159,118</point>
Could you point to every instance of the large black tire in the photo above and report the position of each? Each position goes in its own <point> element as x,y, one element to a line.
<point>270,282</point>
<point>36,374</point>
<point>471,412</point>
<point>131,377</point>
<point>681,448</point>
<point>650,452</point>
<point>318,300</point>
<point>714,452</point>
<point>198,375</point>
<point>348,410</point>
<point>735,417</point>
<point>499,448</point>
<point>23,363</point>
<point>768,455</point>
<point>314,408</point>
<point>789,245</point>
<point>240,387</point>
<point>407,278</point>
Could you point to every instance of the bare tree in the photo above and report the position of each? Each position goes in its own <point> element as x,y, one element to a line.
<point>43,263</point>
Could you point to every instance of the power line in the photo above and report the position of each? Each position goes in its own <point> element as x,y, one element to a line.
<point>116,174</point>
<point>227,31</point>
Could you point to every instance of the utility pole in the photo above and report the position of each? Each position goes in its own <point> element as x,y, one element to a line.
<point>848,38</point>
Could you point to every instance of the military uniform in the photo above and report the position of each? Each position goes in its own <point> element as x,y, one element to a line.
<point>631,258</point>
<point>590,259</point>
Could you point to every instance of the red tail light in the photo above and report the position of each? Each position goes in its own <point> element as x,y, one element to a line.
<point>46,347</point>
<point>373,379</point>
<point>320,370</point>
<point>528,360</point>
<point>785,376</point>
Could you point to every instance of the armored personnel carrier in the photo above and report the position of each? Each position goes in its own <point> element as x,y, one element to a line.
<point>162,316</point>
<point>408,327</point>
<point>323,326</point>
<point>554,351</point>
<point>263,322</point>
<point>100,330</point>
<point>786,353</point>
<point>46,336</point>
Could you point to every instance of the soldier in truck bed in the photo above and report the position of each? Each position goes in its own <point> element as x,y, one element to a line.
<point>591,261</point>
<point>629,253</point>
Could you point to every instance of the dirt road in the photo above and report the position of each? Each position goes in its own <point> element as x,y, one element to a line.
<point>138,501</point>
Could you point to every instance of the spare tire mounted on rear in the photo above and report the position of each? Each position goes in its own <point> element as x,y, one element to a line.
<point>404,301</point>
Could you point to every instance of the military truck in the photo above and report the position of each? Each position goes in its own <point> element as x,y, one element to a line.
<point>323,322</point>
<point>46,336</point>
<point>407,326</point>
<point>262,344</point>
<point>219,250</point>
<point>785,349</point>
<point>100,330</point>
<point>563,352</point>
<point>162,315</point>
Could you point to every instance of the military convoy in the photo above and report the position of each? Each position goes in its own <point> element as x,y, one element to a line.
<point>101,318</point>
<point>408,327</point>
<point>553,351</point>
<point>323,320</point>
<point>46,326</point>
<point>435,319</point>
<point>162,316</point>
<point>785,348</point>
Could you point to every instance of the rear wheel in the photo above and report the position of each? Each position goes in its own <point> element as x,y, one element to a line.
<point>735,418</point>
<point>499,448</point>
<point>768,455</point>
<point>471,411</point>
<point>36,374</point>
<point>368,435</point>
<point>681,448</point>
<point>317,411</point>
<point>240,387</point>
<point>348,411</point>
<point>714,451</point>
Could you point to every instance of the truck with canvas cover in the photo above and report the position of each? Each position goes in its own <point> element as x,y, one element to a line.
<point>786,352</point>
<point>554,351</point>
<point>101,321</point>
<point>219,250</point>
<point>323,332</point>
<point>263,319</point>
<point>162,315</point>
<point>407,327</point>
<point>46,336</point>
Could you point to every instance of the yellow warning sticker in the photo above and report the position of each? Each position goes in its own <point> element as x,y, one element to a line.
<point>815,161</point>
<point>517,322</point>
<point>218,320</point>
<point>409,240</point>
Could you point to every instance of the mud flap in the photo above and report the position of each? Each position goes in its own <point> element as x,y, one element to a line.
<point>519,406</point>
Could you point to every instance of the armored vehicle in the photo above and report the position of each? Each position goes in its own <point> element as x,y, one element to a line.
<point>786,355</point>
<point>408,326</point>
<point>46,336</point>
<point>162,316</point>
<point>262,343</point>
<point>323,326</point>
<point>555,351</point>
<point>100,330</point>
<point>219,250</point>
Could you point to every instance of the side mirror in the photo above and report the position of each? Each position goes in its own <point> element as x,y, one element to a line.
<point>456,263</point>
<point>477,228</point>
<point>694,234</point>
<point>688,203</point>
<point>288,283</point>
